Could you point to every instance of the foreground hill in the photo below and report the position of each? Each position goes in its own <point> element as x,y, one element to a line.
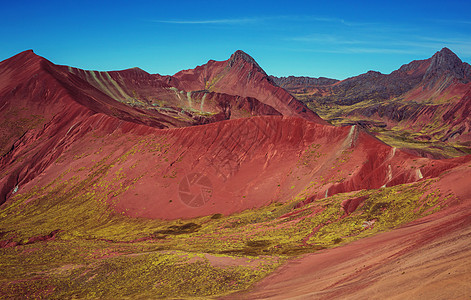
<point>423,106</point>
<point>104,197</point>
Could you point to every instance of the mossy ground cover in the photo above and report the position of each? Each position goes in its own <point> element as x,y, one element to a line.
<point>409,136</point>
<point>403,139</point>
<point>98,253</point>
<point>93,269</point>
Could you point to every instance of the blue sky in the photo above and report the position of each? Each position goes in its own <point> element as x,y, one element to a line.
<point>336,39</point>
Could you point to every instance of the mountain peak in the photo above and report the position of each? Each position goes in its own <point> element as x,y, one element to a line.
<point>24,59</point>
<point>27,54</point>
<point>29,51</point>
<point>446,50</point>
<point>446,62</point>
<point>446,57</point>
<point>239,54</point>
<point>240,57</point>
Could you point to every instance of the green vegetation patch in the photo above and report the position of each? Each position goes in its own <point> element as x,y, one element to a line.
<point>98,253</point>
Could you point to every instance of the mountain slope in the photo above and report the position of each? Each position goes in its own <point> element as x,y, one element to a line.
<point>414,107</point>
<point>103,196</point>
<point>426,259</point>
<point>75,115</point>
<point>241,75</point>
<point>142,90</point>
<point>42,104</point>
<point>247,163</point>
<point>81,114</point>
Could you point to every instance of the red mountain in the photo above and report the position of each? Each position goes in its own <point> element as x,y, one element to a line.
<point>241,75</point>
<point>424,105</point>
<point>100,172</point>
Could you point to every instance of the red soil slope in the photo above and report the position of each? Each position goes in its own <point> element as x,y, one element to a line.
<point>242,163</point>
<point>150,93</point>
<point>41,106</point>
<point>132,95</point>
<point>40,102</point>
<point>426,259</point>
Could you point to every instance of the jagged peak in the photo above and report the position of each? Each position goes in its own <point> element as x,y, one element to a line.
<point>241,57</point>
<point>28,52</point>
<point>239,54</point>
<point>446,61</point>
<point>136,70</point>
<point>446,51</point>
<point>446,57</point>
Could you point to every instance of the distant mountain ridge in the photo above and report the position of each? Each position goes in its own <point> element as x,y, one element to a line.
<point>447,63</point>
<point>428,98</point>
<point>443,65</point>
<point>291,82</point>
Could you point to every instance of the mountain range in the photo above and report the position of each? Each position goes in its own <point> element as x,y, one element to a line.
<point>224,172</point>
<point>423,106</point>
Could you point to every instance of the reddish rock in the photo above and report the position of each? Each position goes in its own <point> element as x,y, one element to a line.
<point>350,205</point>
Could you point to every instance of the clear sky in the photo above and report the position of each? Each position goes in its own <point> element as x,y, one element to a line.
<point>336,39</point>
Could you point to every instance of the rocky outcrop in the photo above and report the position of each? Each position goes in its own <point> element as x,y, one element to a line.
<point>446,64</point>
